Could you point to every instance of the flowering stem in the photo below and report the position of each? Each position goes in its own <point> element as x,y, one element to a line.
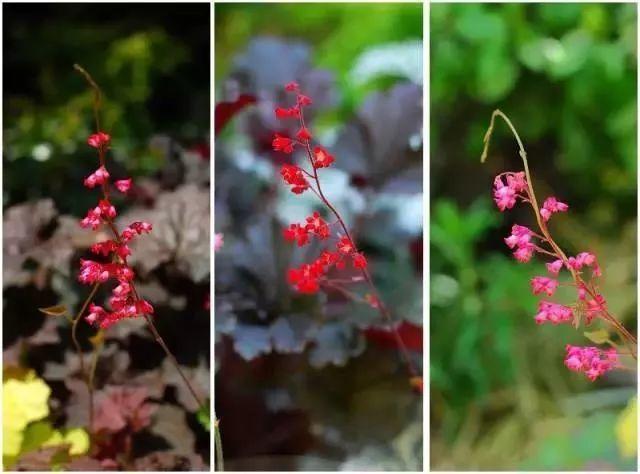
<point>545,231</point>
<point>365,272</point>
<point>116,234</point>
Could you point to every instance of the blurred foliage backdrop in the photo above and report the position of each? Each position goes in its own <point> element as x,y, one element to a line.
<point>566,76</point>
<point>152,63</point>
<point>313,383</point>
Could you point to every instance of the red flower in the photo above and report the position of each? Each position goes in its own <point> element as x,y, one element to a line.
<point>296,233</point>
<point>345,245</point>
<point>304,100</point>
<point>99,140</point>
<point>293,176</point>
<point>303,134</point>
<point>282,144</point>
<point>293,112</point>
<point>322,158</point>
<point>318,226</point>
<point>291,86</point>
<point>359,260</point>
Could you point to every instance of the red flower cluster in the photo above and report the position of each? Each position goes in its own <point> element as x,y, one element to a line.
<point>308,277</point>
<point>124,300</point>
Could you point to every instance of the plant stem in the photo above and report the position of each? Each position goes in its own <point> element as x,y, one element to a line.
<point>101,151</point>
<point>218,444</point>
<point>365,272</point>
<point>545,231</point>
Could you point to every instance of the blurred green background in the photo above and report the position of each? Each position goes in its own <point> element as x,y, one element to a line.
<point>566,76</point>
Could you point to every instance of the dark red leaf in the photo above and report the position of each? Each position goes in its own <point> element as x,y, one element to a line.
<point>225,111</point>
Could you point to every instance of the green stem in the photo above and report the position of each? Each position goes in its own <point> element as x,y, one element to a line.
<point>218,444</point>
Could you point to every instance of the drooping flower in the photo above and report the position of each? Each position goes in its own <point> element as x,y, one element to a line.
<point>303,134</point>
<point>99,140</point>
<point>98,177</point>
<point>551,206</point>
<point>345,245</point>
<point>524,253</point>
<point>503,195</point>
<point>554,267</point>
<point>283,144</point>
<point>593,362</point>
<point>123,185</point>
<point>359,260</point>
<point>520,236</point>
<point>541,284</point>
<point>322,158</point>
<point>293,176</point>
<point>553,313</point>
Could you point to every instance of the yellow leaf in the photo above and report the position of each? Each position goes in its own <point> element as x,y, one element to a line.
<point>599,336</point>
<point>79,441</point>
<point>23,401</point>
<point>627,430</point>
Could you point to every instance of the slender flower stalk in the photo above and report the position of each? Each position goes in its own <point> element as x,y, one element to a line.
<point>311,277</point>
<point>125,301</point>
<point>590,304</point>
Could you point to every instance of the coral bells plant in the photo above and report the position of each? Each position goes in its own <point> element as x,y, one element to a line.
<point>340,249</point>
<point>110,266</point>
<point>582,272</point>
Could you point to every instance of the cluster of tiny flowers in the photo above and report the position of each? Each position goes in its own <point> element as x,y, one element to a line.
<point>308,277</point>
<point>593,362</point>
<point>124,302</point>
<point>507,189</point>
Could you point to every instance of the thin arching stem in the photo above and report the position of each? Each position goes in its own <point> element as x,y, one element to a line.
<point>558,252</point>
<point>382,308</point>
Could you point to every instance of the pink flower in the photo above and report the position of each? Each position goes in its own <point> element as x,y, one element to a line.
<point>218,242</point>
<point>520,236</point>
<point>595,307</point>
<point>524,253</point>
<point>98,177</point>
<point>291,86</point>
<point>541,284</point>
<point>553,313</point>
<point>580,260</point>
<point>98,140</point>
<point>123,185</point>
<point>96,314</point>
<point>107,209</point>
<point>554,267</point>
<point>504,196</point>
<point>517,181</point>
<point>92,272</point>
<point>93,219</point>
<point>552,205</point>
<point>592,361</point>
